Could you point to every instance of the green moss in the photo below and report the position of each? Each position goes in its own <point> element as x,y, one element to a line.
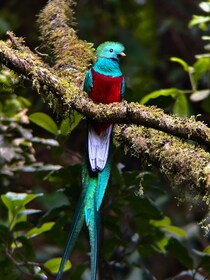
<point>186,166</point>
<point>58,35</point>
<point>71,55</point>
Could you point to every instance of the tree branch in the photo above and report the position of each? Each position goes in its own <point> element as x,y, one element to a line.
<point>184,164</point>
<point>46,79</point>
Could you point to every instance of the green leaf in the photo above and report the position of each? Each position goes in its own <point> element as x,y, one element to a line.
<point>205,6</point>
<point>199,95</point>
<point>165,225</point>
<point>180,107</point>
<point>199,20</point>
<point>184,64</point>
<point>39,167</point>
<point>29,212</point>
<point>37,231</point>
<point>201,66</point>
<point>160,245</point>
<point>44,121</point>
<point>4,80</point>
<point>44,141</point>
<point>206,38</point>
<point>161,223</point>
<point>179,251</point>
<point>7,201</point>
<point>175,231</point>
<point>54,264</point>
<point>20,199</point>
<point>15,203</point>
<point>24,101</point>
<point>173,92</point>
<point>69,124</point>
<point>207,250</point>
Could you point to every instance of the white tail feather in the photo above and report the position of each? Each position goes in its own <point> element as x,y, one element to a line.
<point>98,148</point>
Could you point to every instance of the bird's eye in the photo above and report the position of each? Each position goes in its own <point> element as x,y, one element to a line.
<point>111,50</point>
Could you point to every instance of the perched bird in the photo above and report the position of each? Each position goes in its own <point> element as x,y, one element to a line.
<point>103,83</point>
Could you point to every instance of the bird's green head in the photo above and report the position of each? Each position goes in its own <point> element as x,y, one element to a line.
<point>112,50</point>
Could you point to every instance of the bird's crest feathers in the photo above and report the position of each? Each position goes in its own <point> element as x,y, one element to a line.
<point>110,50</point>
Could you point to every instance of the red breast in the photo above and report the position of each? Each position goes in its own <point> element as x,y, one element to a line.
<point>106,89</point>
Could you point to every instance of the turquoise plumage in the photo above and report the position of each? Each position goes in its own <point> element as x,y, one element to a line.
<point>103,83</point>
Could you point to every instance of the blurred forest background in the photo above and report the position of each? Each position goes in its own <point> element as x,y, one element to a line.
<point>148,232</point>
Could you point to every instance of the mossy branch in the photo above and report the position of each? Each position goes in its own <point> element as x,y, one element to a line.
<point>31,66</point>
<point>186,166</point>
<point>46,79</point>
<point>62,83</point>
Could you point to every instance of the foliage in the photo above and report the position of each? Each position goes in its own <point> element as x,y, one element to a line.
<point>41,179</point>
<point>17,155</point>
<point>17,246</point>
<point>197,73</point>
<point>49,124</point>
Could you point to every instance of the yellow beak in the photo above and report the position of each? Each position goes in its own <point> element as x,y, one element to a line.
<point>122,54</point>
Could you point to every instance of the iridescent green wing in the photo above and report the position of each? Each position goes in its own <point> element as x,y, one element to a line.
<point>88,82</point>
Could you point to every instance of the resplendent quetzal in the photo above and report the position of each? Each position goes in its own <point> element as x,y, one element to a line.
<point>103,83</point>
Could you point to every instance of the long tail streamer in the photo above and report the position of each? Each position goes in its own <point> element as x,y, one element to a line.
<point>94,186</point>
